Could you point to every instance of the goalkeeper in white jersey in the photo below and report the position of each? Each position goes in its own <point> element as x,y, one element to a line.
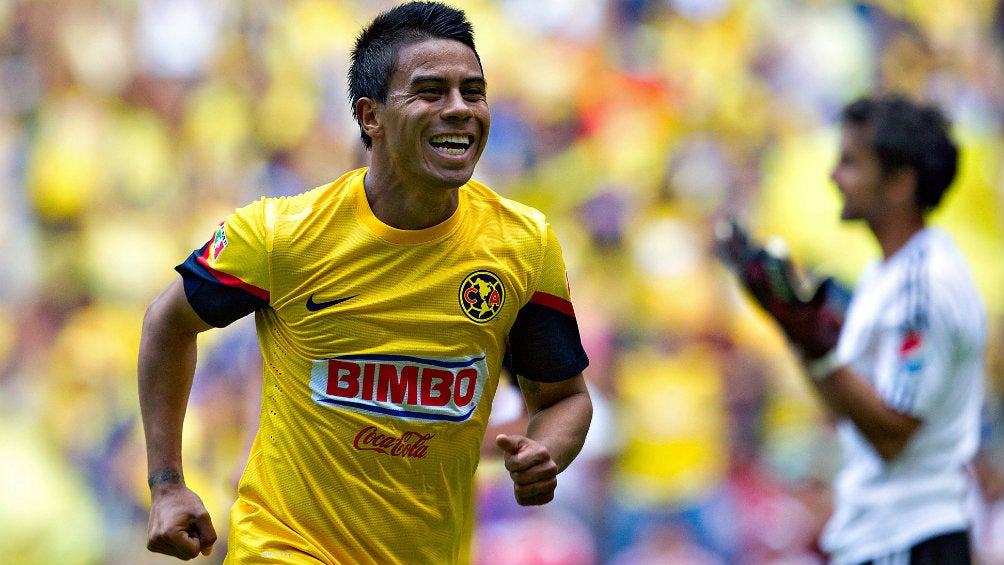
<point>902,368</point>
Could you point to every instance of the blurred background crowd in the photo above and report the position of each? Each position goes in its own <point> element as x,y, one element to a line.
<point>129,128</point>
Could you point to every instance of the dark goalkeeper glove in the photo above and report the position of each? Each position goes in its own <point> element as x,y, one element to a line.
<point>809,309</point>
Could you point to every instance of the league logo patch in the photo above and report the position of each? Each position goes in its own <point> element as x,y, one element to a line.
<point>481,296</point>
<point>219,243</point>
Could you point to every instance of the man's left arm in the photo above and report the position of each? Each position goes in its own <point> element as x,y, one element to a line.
<point>811,317</point>
<point>848,395</point>
<point>545,351</point>
<point>559,417</point>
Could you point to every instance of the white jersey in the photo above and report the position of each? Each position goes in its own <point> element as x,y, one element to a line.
<point>916,331</point>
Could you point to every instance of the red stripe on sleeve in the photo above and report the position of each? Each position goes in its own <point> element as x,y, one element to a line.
<point>231,280</point>
<point>553,302</point>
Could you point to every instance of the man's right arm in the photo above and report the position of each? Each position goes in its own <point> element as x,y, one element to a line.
<point>179,523</point>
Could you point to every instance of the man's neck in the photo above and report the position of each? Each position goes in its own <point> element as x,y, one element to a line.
<point>409,208</point>
<point>895,232</point>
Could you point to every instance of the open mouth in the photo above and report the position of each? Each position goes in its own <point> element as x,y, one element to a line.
<point>451,144</point>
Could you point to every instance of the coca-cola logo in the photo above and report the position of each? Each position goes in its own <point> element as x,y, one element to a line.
<point>409,444</point>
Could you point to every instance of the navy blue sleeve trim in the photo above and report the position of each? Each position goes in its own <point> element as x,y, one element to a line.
<point>216,303</point>
<point>545,346</point>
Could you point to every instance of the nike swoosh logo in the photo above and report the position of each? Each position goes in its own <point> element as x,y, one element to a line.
<point>315,306</point>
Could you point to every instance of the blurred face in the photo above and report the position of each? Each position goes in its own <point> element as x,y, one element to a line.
<point>858,175</point>
<point>435,122</point>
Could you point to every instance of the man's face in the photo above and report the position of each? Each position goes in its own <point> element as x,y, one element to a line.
<point>858,175</point>
<point>435,121</point>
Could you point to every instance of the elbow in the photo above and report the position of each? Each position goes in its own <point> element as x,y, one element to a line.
<point>584,406</point>
<point>891,436</point>
<point>889,446</point>
<point>890,449</point>
<point>585,409</point>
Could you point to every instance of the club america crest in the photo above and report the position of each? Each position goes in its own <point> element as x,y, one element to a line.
<point>481,296</point>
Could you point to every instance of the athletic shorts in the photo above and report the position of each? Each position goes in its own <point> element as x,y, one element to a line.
<point>946,549</point>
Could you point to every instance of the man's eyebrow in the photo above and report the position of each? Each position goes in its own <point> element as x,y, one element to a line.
<point>438,78</point>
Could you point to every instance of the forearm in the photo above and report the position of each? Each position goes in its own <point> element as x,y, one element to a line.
<point>167,358</point>
<point>849,396</point>
<point>562,426</point>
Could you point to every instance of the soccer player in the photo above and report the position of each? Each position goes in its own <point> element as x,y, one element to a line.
<point>904,372</point>
<point>386,303</point>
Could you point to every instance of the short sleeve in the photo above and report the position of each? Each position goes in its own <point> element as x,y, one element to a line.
<point>917,344</point>
<point>228,277</point>
<point>544,342</point>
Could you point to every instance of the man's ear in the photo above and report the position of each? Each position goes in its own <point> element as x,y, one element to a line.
<point>368,115</point>
<point>901,186</point>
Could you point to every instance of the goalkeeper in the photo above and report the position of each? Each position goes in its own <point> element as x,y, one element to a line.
<point>903,370</point>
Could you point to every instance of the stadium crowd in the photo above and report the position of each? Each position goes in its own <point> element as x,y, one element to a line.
<point>130,127</point>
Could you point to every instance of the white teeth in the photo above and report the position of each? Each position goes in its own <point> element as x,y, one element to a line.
<point>461,139</point>
<point>451,144</point>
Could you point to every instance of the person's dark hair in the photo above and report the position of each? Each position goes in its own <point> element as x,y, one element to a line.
<point>376,49</point>
<point>909,134</point>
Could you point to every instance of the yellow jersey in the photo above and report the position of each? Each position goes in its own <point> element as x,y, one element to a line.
<point>382,351</point>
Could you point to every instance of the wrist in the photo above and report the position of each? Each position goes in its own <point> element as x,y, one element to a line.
<point>821,368</point>
<point>165,477</point>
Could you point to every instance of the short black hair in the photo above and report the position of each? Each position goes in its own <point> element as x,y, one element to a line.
<point>376,49</point>
<point>910,134</point>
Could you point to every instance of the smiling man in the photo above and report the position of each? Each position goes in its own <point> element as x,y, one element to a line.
<point>386,304</point>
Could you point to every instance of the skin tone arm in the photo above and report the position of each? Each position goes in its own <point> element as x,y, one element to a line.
<point>559,419</point>
<point>848,396</point>
<point>179,523</point>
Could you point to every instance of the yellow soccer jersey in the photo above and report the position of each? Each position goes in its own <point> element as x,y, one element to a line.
<point>382,351</point>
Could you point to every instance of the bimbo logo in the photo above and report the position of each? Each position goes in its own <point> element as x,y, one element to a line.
<point>409,388</point>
